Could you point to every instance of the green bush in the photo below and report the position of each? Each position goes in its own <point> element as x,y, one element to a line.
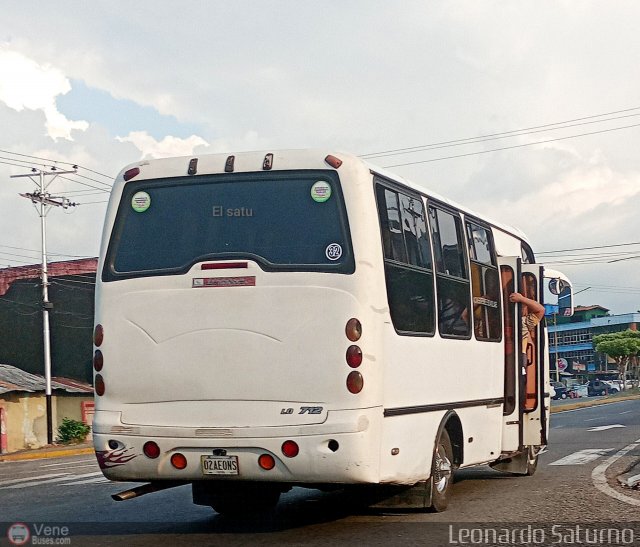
<point>71,431</point>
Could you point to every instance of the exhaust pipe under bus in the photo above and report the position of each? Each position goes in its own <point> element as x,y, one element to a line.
<point>146,489</point>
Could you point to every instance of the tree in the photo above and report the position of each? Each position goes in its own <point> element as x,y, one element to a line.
<point>623,347</point>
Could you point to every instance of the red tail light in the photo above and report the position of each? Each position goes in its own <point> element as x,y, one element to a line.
<point>129,174</point>
<point>353,330</point>
<point>290,449</point>
<point>98,361</point>
<point>179,461</point>
<point>333,161</point>
<point>354,356</point>
<point>98,385</point>
<point>151,450</point>
<point>98,335</point>
<point>267,462</point>
<point>355,382</point>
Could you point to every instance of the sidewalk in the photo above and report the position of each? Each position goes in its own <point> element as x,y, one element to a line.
<point>50,451</point>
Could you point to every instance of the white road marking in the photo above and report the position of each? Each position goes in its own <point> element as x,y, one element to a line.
<point>87,481</point>
<point>605,427</point>
<point>37,482</point>
<point>582,456</point>
<point>71,464</point>
<point>26,479</point>
<point>600,480</point>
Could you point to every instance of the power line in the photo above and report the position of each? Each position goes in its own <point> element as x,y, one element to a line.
<point>589,248</point>
<point>50,161</point>
<point>494,136</point>
<point>512,147</point>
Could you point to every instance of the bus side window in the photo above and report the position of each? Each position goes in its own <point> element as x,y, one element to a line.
<point>407,255</point>
<point>485,283</point>
<point>452,279</point>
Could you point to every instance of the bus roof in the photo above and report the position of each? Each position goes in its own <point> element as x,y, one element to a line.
<point>279,160</point>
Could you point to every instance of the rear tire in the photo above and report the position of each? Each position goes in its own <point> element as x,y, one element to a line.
<point>532,462</point>
<point>441,473</point>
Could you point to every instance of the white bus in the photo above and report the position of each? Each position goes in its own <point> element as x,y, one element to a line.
<point>302,318</point>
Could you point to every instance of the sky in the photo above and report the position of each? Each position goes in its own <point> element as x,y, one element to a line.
<point>525,111</point>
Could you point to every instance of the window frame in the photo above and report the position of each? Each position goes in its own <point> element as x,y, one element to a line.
<point>382,185</point>
<point>446,278</point>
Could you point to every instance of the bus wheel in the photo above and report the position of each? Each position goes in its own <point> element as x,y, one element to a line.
<point>532,461</point>
<point>441,473</point>
<point>244,499</point>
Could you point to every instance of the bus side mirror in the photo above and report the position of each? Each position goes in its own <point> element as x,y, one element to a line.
<point>558,297</point>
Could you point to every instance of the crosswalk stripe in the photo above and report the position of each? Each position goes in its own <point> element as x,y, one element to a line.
<point>37,482</point>
<point>26,479</point>
<point>71,463</point>
<point>582,456</point>
<point>87,481</point>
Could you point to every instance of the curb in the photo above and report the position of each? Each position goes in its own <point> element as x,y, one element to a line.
<point>46,453</point>
<point>587,404</point>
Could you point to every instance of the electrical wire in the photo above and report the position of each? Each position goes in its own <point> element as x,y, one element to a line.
<point>496,136</point>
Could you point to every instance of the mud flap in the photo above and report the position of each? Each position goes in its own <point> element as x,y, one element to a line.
<point>397,498</point>
<point>516,464</point>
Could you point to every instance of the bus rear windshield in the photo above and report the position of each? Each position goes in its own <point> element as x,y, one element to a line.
<point>284,221</point>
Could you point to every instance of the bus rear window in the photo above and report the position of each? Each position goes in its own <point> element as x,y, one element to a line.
<point>284,221</point>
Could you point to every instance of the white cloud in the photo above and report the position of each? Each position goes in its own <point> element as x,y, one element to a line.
<point>167,147</point>
<point>27,85</point>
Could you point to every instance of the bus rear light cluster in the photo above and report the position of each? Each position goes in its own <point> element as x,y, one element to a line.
<point>266,462</point>
<point>98,360</point>
<point>353,330</point>
<point>178,460</point>
<point>290,449</point>
<point>151,450</point>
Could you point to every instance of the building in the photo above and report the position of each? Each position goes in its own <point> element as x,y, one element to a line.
<point>71,293</point>
<point>571,341</point>
<point>23,420</point>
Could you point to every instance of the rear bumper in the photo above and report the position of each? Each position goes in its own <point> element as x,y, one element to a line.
<point>344,449</point>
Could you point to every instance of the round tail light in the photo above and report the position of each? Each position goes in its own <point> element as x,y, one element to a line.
<point>355,382</point>
<point>98,335</point>
<point>267,462</point>
<point>354,356</point>
<point>98,385</point>
<point>179,461</point>
<point>290,449</point>
<point>353,330</point>
<point>151,450</point>
<point>98,360</point>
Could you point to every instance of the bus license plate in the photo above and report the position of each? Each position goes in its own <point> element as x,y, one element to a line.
<point>219,465</point>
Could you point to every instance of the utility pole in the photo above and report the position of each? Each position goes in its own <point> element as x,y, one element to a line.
<point>43,199</point>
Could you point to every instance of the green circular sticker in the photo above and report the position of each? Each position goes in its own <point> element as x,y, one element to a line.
<point>140,202</point>
<point>321,191</point>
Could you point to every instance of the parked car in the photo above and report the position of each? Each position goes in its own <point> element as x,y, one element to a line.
<point>617,384</point>
<point>578,390</point>
<point>561,391</point>
<point>600,387</point>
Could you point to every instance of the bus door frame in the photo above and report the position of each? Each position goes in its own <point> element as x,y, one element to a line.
<point>524,419</point>
<point>534,400</point>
